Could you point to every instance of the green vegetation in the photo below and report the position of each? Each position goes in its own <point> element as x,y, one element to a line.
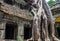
<point>51,2</point>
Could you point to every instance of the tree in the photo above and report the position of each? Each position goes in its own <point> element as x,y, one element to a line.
<point>51,2</point>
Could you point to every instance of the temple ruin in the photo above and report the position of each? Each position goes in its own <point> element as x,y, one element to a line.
<point>56,13</point>
<point>26,21</point>
<point>14,23</point>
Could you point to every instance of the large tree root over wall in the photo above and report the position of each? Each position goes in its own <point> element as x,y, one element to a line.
<point>43,20</point>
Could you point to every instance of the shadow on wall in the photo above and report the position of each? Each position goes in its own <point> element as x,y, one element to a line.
<point>9,2</point>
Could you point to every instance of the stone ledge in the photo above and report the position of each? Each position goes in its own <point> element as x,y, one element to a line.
<point>9,9</point>
<point>55,6</point>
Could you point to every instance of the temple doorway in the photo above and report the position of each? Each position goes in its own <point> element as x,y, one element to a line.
<point>11,31</point>
<point>57,28</point>
<point>27,32</point>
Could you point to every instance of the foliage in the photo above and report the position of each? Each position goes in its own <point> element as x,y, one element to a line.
<point>51,2</point>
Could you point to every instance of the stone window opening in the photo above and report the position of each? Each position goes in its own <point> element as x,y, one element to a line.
<point>57,28</point>
<point>27,32</point>
<point>11,31</point>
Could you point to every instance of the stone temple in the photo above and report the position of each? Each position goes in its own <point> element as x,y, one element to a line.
<point>18,23</point>
<point>14,22</point>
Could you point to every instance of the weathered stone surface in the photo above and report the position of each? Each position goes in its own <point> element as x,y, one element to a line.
<point>55,6</point>
<point>8,12</point>
<point>21,32</point>
<point>2,26</point>
<point>15,11</point>
<point>2,30</point>
<point>2,34</point>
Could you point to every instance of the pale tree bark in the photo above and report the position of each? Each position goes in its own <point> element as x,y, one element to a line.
<point>50,19</point>
<point>49,15</point>
<point>45,26</point>
<point>42,23</point>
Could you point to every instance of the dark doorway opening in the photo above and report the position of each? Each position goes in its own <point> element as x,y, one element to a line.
<point>58,32</point>
<point>57,29</point>
<point>27,32</point>
<point>11,31</point>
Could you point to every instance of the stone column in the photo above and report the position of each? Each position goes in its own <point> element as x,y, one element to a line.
<point>2,30</point>
<point>20,32</point>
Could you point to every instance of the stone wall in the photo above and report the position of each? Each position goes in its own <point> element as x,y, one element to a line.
<point>8,14</point>
<point>9,9</point>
